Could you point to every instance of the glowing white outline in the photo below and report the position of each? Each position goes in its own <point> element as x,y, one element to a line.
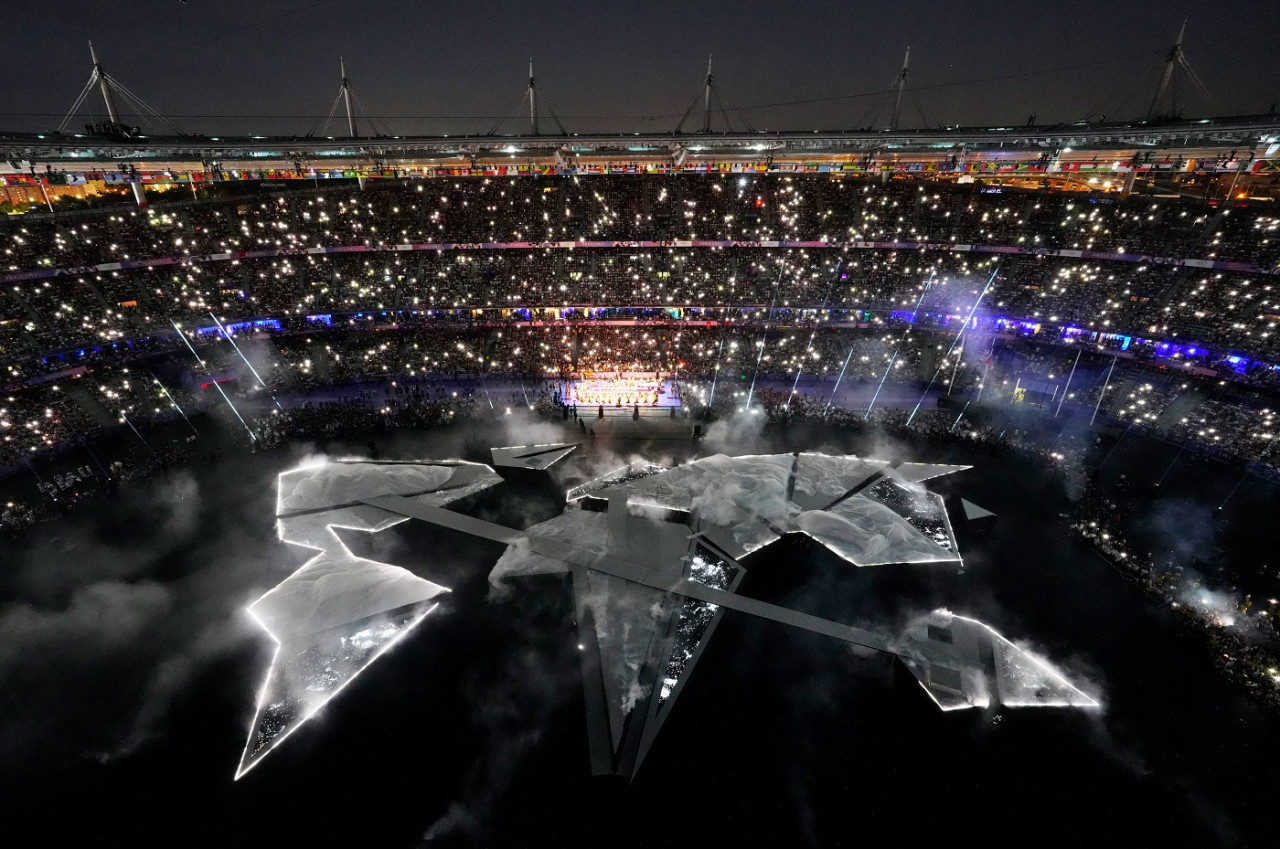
<point>569,496</point>
<point>953,554</point>
<point>951,533</point>
<point>1044,665</point>
<point>262,695</point>
<point>567,447</point>
<point>1090,703</point>
<point>339,548</point>
<point>318,462</point>
<point>882,467</point>
<point>967,705</point>
<point>954,559</point>
<point>952,468</point>
<point>946,516</point>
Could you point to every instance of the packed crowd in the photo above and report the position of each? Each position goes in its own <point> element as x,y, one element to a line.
<point>342,345</point>
<point>1198,407</point>
<point>131,307</point>
<point>1241,634</point>
<point>734,207</point>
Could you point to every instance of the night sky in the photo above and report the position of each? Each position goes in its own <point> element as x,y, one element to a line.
<point>271,66</point>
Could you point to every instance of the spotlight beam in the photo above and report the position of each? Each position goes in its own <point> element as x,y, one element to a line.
<point>252,436</point>
<point>764,339</point>
<point>812,335</point>
<point>257,376</point>
<point>901,340</point>
<point>954,342</point>
<point>173,401</point>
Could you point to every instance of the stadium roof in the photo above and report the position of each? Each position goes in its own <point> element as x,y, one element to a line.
<point>1210,134</point>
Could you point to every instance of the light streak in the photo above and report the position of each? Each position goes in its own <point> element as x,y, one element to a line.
<point>228,337</point>
<point>1172,462</point>
<point>867,414</point>
<point>764,337</point>
<point>1067,388</point>
<point>940,705</point>
<point>839,378</point>
<point>954,342</point>
<point>812,335</point>
<point>125,419</point>
<point>712,400</point>
<point>173,401</point>
<point>252,436</point>
<point>898,347</point>
<point>183,337</point>
<point>1129,427</point>
<point>84,442</point>
<point>954,371</point>
<point>1101,394</point>
<point>1248,471</point>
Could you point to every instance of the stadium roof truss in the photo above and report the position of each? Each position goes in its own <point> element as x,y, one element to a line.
<point>72,150</point>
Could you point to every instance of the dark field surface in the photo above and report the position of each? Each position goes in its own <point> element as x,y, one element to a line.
<point>128,672</point>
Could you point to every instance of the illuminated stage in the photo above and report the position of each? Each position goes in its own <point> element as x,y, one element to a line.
<point>655,555</point>
<point>627,390</point>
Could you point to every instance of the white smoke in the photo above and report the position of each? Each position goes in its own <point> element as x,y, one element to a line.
<point>741,433</point>
<point>518,560</point>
